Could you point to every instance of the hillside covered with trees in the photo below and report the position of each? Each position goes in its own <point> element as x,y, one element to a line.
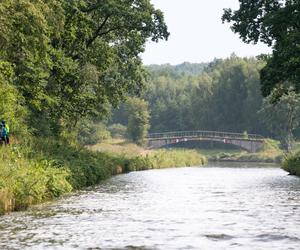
<point>223,95</point>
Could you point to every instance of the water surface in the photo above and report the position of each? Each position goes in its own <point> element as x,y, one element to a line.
<point>223,206</point>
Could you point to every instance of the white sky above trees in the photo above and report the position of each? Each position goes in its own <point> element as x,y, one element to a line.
<point>197,33</point>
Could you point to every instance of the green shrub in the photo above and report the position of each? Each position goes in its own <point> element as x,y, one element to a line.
<point>118,130</point>
<point>86,168</point>
<point>93,133</point>
<point>291,164</point>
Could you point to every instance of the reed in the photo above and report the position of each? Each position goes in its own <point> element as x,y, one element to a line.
<point>49,168</point>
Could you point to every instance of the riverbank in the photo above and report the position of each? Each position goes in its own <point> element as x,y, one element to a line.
<point>49,169</point>
<point>291,163</point>
<point>199,205</point>
<point>269,153</point>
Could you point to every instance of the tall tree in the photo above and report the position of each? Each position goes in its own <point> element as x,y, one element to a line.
<point>283,117</point>
<point>225,96</point>
<point>72,58</point>
<point>276,23</point>
<point>138,119</point>
<point>12,108</point>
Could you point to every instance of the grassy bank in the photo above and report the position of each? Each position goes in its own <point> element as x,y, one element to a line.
<point>25,180</point>
<point>269,153</point>
<point>49,169</point>
<point>139,158</point>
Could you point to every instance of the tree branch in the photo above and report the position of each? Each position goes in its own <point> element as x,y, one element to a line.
<point>108,31</point>
<point>97,32</point>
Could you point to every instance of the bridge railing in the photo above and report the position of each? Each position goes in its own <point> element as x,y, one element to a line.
<point>204,134</point>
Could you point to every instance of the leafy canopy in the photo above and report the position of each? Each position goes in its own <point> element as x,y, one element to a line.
<point>276,23</point>
<point>138,119</point>
<point>75,58</point>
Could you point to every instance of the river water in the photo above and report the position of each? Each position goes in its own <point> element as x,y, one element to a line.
<point>222,206</point>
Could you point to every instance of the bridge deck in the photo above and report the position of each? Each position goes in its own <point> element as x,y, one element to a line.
<point>204,134</point>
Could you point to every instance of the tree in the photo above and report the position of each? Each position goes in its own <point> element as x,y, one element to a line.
<point>275,23</point>
<point>138,119</point>
<point>12,108</point>
<point>117,130</point>
<point>73,59</point>
<point>224,96</point>
<point>236,97</point>
<point>283,117</point>
<point>91,133</point>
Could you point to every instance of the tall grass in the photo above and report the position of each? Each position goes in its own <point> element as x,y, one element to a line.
<point>166,159</point>
<point>270,152</point>
<point>25,181</point>
<point>50,168</point>
<point>177,158</point>
<point>291,163</point>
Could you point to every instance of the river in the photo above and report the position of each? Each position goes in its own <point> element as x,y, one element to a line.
<point>221,206</point>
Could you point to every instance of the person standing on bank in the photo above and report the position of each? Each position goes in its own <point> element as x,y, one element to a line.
<point>4,133</point>
<point>1,128</point>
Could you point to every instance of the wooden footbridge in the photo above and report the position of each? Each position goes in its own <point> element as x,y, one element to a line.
<point>250,142</point>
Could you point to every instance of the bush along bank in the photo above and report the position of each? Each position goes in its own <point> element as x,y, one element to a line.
<point>269,153</point>
<point>26,178</point>
<point>291,164</point>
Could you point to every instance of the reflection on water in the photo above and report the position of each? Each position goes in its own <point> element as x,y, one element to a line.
<point>218,207</point>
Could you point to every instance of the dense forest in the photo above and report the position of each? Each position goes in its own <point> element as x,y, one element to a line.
<point>223,95</point>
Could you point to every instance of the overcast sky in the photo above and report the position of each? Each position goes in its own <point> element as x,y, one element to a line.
<point>197,33</point>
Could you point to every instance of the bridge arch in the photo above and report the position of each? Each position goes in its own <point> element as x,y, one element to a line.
<point>251,143</point>
<point>199,142</point>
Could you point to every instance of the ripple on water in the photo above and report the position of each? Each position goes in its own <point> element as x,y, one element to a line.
<point>189,208</point>
<point>276,237</point>
<point>217,237</point>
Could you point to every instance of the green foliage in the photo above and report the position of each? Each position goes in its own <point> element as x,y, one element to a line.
<point>138,119</point>
<point>177,158</point>
<point>117,130</point>
<point>92,133</point>
<point>12,103</point>
<point>270,144</point>
<point>186,68</point>
<point>282,117</point>
<point>291,164</point>
<point>27,178</point>
<point>29,181</point>
<point>236,97</point>
<point>275,23</point>
<point>225,96</point>
<point>165,159</point>
<point>86,168</point>
<point>72,59</point>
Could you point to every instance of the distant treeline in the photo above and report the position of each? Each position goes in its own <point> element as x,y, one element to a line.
<point>175,70</point>
<point>223,95</point>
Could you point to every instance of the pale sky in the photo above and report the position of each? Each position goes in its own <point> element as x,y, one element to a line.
<point>197,33</point>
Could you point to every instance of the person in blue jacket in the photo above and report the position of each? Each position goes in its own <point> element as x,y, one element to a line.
<point>4,133</point>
